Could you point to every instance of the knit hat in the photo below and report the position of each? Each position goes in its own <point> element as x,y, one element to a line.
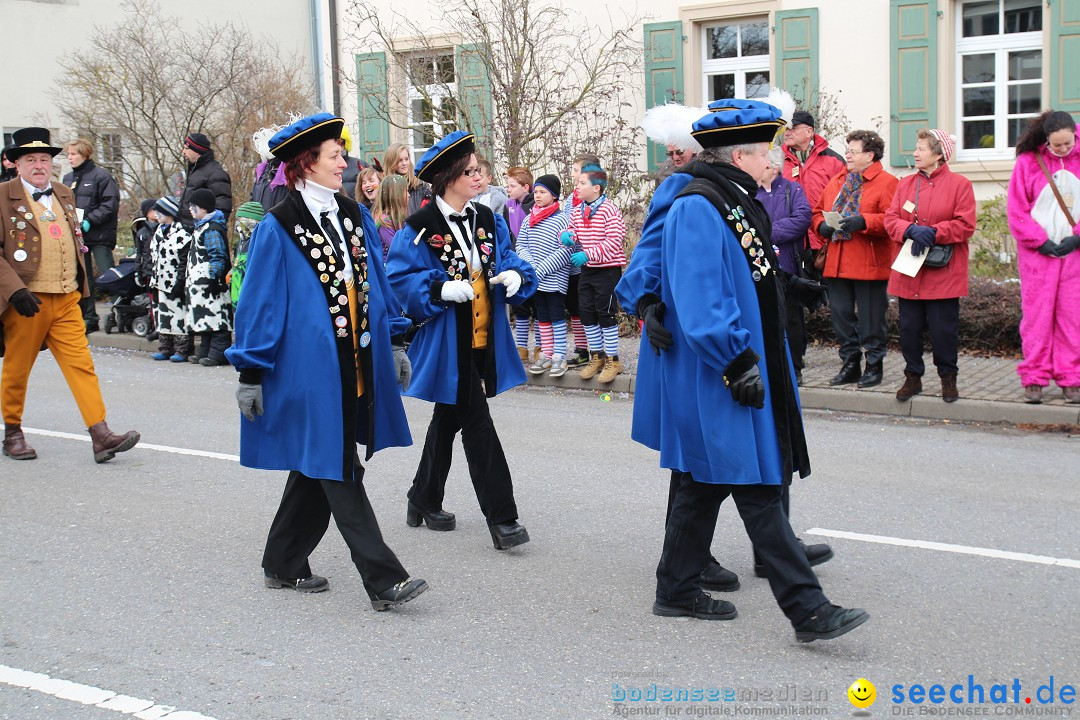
<point>550,183</point>
<point>202,198</point>
<point>197,142</point>
<point>801,117</point>
<point>167,206</point>
<point>253,210</point>
<point>948,144</point>
<point>146,206</point>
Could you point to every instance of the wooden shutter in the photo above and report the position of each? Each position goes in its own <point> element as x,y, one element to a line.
<point>372,106</point>
<point>797,55</point>
<point>1064,21</point>
<point>913,75</point>
<point>474,95</point>
<point>663,74</point>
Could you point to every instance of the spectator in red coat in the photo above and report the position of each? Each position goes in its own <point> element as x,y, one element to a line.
<point>934,206</point>
<point>809,161</point>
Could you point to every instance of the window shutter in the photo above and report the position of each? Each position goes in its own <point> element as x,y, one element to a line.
<point>372,106</point>
<point>913,75</point>
<point>663,74</point>
<point>797,54</point>
<point>1064,55</point>
<point>474,95</point>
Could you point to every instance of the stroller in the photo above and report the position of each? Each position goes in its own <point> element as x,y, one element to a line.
<point>129,311</point>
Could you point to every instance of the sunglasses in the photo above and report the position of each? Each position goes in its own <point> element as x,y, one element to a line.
<point>673,153</point>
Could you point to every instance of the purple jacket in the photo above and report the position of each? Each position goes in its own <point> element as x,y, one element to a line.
<point>790,212</point>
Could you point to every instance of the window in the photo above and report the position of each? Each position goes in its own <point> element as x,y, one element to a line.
<point>111,152</point>
<point>431,86</point>
<point>736,60</point>
<point>1000,71</point>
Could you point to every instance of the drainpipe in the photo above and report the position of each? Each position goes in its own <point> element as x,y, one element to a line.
<point>334,69</point>
<point>314,10</point>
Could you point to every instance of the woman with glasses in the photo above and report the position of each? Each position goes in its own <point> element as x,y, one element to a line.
<point>858,256</point>
<point>453,268</point>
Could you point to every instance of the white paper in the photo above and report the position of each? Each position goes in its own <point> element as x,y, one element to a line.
<point>79,213</point>
<point>832,219</point>
<point>908,264</point>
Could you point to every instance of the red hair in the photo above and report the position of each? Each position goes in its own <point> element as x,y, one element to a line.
<point>298,166</point>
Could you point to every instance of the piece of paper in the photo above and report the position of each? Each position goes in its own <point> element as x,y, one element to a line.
<point>832,219</point>
<point>79,213</point>
<point>908,264</point>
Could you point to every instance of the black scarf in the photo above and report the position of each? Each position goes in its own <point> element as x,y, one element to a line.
<point>723,186</point>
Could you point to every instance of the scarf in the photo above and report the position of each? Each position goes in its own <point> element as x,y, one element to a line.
<point>574,199</point>
<point>847,202</point>
<point>539,214</point>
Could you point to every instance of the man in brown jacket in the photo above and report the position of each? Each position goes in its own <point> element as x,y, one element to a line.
<point>42,279</point>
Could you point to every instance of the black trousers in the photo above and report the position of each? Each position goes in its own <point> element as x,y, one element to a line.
<point>866,330</point>
<point>302,520</point>
<point>572,305</point>
<point>487,464</point>
<point>98,259</point>
<point>796,332</point>
<point>596,295</point>
<point>689,534</point>
<point>214,344</point>
<point>942,318</point>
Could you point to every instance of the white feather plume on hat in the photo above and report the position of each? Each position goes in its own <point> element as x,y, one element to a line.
<point>782,101</point>
<point>671,124</point>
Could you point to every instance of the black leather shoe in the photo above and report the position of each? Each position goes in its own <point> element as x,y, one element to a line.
<point>872,376</point>
<point>718,578</point>
<point>311,584</point>
<point>508,535</point>
<point>828,622</point>
<point>703,607</point>
<point>798,378</point>
<point>815,555</point>
<point>399,594</point>
<point>436,519</point>
<point>849,371</point>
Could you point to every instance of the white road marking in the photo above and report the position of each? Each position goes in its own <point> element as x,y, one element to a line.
<point>946,547</point>
<point>140,446</point>
<point>88,695</point>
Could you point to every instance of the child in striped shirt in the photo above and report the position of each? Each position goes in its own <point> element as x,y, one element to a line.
<point>539,244</point>
<point>596,233</point>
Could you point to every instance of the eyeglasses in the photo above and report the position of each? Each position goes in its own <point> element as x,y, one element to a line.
<point>673,153</point>
<point>475,172</point>
<point>849,152</point>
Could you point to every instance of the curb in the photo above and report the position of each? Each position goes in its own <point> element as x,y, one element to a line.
<point>813,398</point>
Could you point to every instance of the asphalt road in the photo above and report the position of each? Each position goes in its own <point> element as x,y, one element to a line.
<point>142,576</point>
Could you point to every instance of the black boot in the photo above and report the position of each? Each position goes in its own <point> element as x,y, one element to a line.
<point>872,376</point>
<point>849,372</point>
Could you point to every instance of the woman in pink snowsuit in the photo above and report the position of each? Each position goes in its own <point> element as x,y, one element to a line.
<point>1046,243</point>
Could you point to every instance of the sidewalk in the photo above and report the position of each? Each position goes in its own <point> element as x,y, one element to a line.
<point>990,390</point>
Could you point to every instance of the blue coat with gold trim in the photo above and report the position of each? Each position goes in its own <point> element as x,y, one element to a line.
<point>417,275</point>
<point>285,327</point>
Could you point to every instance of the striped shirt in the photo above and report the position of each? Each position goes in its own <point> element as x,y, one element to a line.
<point>601,234</point>
<point>541,247</point>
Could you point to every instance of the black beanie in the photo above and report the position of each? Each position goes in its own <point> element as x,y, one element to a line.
<point>551,183</point>
<point>202,198</point>
<point>198,142</point>
<point>146,206</point>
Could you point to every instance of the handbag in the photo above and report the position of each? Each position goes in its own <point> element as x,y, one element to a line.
<point>938,256</point>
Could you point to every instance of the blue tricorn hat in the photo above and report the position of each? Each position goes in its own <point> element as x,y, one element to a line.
<point>305,133</point>
<point>442,154</point>
<point>738,122</point>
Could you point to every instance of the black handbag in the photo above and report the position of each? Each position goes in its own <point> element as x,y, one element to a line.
<point>938,256</point>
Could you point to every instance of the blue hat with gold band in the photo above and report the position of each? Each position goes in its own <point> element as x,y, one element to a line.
<point>442,154</point>
<point>738,122</point>
<point>305,133</point>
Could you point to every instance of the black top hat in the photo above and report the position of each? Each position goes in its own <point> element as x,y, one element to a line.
<point>30,140</point>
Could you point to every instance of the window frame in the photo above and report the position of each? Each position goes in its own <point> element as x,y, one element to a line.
<point>1000,46</point>
<point>739,66</point>
<point>437,92</point>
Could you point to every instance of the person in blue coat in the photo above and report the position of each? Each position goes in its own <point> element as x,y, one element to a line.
<point>318,333</point>
<point>454,269</point>
<point>727,412</point>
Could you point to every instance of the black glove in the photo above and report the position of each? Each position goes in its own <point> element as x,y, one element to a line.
<point>826,231</point>
<point>1048,248</point>
<point>659,336</point>
<point>808,293</point>
<point>1067,246</point>
<point>922,237</point>
<point>25,302</point>
<point>748,389</point>
<point>853,224</point>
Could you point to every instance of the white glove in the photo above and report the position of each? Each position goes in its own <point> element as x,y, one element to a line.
<point>457,291</point>
<point>510,279</point>
<point>402,367</point>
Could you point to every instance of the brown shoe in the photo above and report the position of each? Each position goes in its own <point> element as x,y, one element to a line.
<point>1033,394</point>
<point>1072,394</point>
<point>523,353</point>
<point>949,392</point>
<point>107,443</point>
<point>912,386</point>
<point>612,367</point>
<point>537,353</point>
<point>15,446</point>
<point>596,361</point>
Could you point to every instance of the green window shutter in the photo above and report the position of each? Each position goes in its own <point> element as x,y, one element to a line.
<point>1064,22</point>
<point>474,95</point>
<point>913,74</point>
<point>371,106</point>
<point>797,54</point>
<point>663,74</point>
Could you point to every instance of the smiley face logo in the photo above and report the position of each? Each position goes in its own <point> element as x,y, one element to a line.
<point>862,693</point>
